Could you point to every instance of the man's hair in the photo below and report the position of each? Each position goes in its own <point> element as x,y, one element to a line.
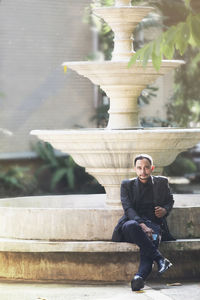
<point>143,156</point>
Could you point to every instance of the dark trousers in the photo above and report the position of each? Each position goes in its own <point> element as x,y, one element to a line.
<point>133,233</point>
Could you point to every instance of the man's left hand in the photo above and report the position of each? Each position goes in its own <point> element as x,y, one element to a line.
<point>160,211</point>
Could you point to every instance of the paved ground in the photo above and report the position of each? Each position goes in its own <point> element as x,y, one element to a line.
<point>51,291</point>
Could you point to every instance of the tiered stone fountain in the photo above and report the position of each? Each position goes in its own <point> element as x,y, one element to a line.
<point>108,154</point>
<point>69,237</point>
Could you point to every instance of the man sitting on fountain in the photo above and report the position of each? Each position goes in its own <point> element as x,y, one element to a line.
<point>146,201</point>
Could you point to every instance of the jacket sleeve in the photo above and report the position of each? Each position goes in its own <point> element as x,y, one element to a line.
<point>169,200</point>
<point>127,204</point>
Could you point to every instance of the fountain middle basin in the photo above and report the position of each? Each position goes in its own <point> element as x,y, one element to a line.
<point>108,154</point>
<point>122,85</point>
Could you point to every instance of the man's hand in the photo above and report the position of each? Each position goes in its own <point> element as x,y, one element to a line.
<point>160,211</point>
<point>147,230</point>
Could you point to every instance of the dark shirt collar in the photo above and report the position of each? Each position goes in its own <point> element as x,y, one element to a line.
<point>149,182</point>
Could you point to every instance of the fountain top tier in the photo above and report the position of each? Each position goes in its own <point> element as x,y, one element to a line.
<point>123,2</point>
<point>122,21</point>
<point>121,83</point>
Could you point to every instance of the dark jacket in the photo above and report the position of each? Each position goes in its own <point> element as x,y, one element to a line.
<point>130,201</point>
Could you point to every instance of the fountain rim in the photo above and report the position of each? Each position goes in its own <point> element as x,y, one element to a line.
<point>123,62</point>
<point>57,202</point>
<point>124,7</point>
<point>101,131</point>
<point>136,10</point>
<point>27,203</point>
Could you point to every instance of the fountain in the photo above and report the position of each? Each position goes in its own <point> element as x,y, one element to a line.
<point>108,154</point>
<point>69,237</point>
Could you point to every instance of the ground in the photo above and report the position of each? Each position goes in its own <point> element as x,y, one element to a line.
<point>50,291</point>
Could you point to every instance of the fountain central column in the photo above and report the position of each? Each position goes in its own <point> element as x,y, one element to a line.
<point>123,94</point>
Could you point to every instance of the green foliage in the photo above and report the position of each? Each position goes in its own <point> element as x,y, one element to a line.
<point>16,181</point>
<point>105,34</point>
<point>172,11</point>
<point>107,2</point>
<point>187,3</point>
<point>147,95</point>
<point>184,107</point>
<point>180,166</point>
<point>55,175</point>
<point>14,177</point>
<point>60,174</point>
<point>101,116</point>
<point>154,122</point>
<point>136,2</point>
<point>176,38</point>
<point>181,23</point>
<point>60,167</point>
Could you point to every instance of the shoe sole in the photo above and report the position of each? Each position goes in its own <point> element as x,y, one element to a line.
<point>137,284</point>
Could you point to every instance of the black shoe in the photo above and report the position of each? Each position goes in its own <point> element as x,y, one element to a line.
<point>137,283</point>
<point>163,265</point>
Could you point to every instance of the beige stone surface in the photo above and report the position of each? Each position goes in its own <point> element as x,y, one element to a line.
<point>20,245</point>
<point>68,266</point>
<point>122,19</point>
<point>35,251</point>
<point>108,154</point>
<point>83,217</point>
<point>105,291</point>
<point>122,85</point>
<point>84,201</point>
<point>95,266</point>
<point>42,246</point>
<point>157,106</point>
<point>122,3</point>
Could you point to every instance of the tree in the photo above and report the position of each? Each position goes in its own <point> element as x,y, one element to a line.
<point>180,39</point>
<point>184,106</point>
<point>177,37</point>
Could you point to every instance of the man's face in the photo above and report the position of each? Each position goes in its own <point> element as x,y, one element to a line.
<point>143,169</point>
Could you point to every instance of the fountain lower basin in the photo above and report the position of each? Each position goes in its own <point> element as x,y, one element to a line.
<point>108,154</point>
<point>57,218</point>
<point>65,238</point>
<point>82,218</point>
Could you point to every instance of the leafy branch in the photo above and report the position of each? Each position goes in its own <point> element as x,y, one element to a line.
<point>177,37</point>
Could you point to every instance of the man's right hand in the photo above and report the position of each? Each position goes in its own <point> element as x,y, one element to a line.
<point>147,230</point>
